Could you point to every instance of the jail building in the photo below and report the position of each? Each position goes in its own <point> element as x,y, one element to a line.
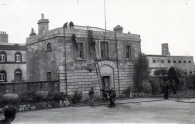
<point>12,61</point>
<point>165,61</point>
<point>65,54</point>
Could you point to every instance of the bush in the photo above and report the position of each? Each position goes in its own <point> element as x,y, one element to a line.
<point>10,98</point>
<point>156,88</point>
<point>147,88</point>
<point>57,96</point>
<point>40,96</point>
<point>127,91</point>
<point>76,97</point>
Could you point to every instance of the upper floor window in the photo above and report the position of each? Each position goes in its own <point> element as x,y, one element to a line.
<point>154,61</point>
<point>174,61</point>
<point>128,52</point>
<point>18,57</point>
<point>104,49</point>
<point>184,61</point>
<point>80,52</point>
<point>179,61</point>
<point>189,61</point>
<point>2,75</point>
<point>48,76</point>
<point>169,61</point>
<point>162,61</point>
<point>48,46</point>
<point>3,56</point>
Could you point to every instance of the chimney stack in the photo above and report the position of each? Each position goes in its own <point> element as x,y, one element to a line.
<point>3,37</point>
<point>43,25</point>
<point>165,49</point>
<point>118,29</point>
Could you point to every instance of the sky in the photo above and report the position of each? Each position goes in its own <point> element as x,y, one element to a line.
<point>156,21</point>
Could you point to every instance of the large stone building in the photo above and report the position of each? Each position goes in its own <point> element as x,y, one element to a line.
<point>12,61</point>
<point>66,52</point>
<point>165,61</point>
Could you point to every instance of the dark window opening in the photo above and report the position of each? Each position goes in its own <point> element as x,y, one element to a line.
<point>104,49</point>
<point>128,52</point>
<point>80,52</point>
<point>49,46</point>
<point>48,76</point>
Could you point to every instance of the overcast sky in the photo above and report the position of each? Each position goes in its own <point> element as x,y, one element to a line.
<point>156,21</point>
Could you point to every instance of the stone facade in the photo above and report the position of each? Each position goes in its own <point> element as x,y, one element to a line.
<point>73,57</point>
<point>184,63</point>
<point>12,61</point>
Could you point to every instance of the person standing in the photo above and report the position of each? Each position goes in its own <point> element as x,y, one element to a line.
<point>166,89</point>
<point>112,95</point>
<point>91,96</point>
<point>10,114</point>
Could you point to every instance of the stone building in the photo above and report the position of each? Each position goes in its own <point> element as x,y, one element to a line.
<point>165,61</point>
<point>65,54</point>
<point>12,61</point>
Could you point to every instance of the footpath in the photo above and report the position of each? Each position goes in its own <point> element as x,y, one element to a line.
<point>135,100</point>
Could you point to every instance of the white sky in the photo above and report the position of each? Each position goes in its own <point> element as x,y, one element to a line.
<point>156,21</point>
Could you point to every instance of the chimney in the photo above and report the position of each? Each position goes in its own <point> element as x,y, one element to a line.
<point>165,49</point>
<point>118,29</point>
<point>43,25</point>
<point>3,37</point>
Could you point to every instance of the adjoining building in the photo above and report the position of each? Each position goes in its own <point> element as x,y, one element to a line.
<point>165,61</point>
<point>65,54</point>
<point>12,61</point>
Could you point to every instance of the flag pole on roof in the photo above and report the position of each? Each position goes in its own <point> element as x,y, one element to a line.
<point>105,20</point>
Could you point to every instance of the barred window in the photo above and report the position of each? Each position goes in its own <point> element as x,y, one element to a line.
<point>18,57</point>
<point>3,57</point>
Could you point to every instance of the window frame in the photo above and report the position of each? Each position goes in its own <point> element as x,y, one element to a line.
<point>80,56</point>
<point>17,54</point>
<point>49,76</point>
<point>49,46</point>
<point>105,50</point>
<point>3,53</point>
<point>3,72</point>
<point>129,52</point>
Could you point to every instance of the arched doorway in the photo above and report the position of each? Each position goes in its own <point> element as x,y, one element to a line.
<point>18,75</point>
<point>107,75</point>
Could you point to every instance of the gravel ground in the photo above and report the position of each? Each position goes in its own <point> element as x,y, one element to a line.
<point>126,111</point>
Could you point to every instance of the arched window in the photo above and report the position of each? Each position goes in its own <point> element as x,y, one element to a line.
<point>3,56</point>
<point>18,57</point>
<point>48,46</point>
<point>18,75</point>
<point>2,76</point>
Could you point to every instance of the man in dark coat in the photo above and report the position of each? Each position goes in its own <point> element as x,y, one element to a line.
<point>9,114</point>
<point>112,95</point>
<point>166,89</point>
<point>91,96</point>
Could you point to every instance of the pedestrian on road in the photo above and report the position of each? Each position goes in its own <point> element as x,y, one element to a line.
<point>91,96</point>
<point>10,114</point>
<point>166,89</point>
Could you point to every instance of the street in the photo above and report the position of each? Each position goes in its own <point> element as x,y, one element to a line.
<point>139,110</point>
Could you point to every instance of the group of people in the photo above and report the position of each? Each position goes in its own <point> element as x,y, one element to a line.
<point>107,95</point>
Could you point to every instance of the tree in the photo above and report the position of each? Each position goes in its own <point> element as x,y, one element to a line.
<point>141,72</point>
<point>160,72</point>
<point>173,78</point>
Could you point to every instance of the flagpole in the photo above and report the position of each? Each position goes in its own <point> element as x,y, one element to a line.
<point>105,20</point>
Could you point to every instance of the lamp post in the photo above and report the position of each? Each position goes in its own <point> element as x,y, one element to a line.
<point>65,26</point>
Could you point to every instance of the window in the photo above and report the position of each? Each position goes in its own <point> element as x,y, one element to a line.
<point>104,49</point>
<point>2,57</point>
<point>169,61</point>
<point>154,61</point>
<point>190,72</point>
<point>189,61</point>
<point>179,61</point>
<point>48,46</point>
<point>18,75</point>
<point>2,76</point>
<point>18,57</point>
<point>174,61</point>
<point>184,61</point>
<point>162,61</point>
<point>128,52</point>
<point>80,52</point>
<point>48,76</point>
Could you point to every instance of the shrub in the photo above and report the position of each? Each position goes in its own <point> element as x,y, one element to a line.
<point>147,88</point>
<point>57,96</point>
<point>77,96</point>
<point>156,89</point>
<point>127,91</point>
<point>10,98</point>
<point>40,96</point>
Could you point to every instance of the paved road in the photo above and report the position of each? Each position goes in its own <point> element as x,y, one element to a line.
<point>126,111</point>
